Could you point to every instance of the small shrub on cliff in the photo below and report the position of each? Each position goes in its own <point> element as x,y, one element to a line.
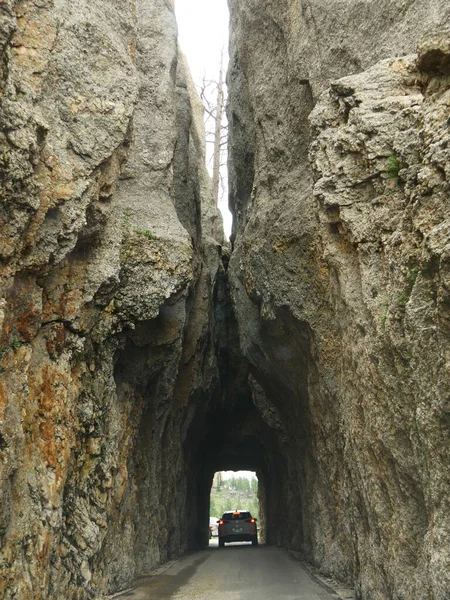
<point>146,233</point>
<point>411,277</point>
<point>402,300</point>
<point>126,216</point>
<point>393,166</point>
<point>14,344</point>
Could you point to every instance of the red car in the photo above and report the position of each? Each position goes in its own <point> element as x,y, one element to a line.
<point>213,527</point>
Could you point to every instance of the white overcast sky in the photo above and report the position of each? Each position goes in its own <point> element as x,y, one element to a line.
<point>202,34</point>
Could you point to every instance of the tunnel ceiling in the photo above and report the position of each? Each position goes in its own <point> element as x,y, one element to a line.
<point>235,439</point>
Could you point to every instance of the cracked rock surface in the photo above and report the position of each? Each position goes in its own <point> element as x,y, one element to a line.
<point>105,290</point>
<point>339,184</point>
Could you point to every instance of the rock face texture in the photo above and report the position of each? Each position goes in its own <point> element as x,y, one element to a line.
<point>136,358</point>
<point>340,279</point>
<point>109,254</point>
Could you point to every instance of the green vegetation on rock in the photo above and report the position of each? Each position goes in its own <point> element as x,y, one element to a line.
<point>146,233</point>
<point>393,166</point>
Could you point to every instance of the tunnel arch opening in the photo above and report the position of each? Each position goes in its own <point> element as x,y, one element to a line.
<point>236,490</point>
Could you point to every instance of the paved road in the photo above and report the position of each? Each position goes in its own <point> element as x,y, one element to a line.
<point>236,572</point>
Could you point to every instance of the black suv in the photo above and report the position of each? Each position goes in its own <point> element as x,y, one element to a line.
<point>237,526</point>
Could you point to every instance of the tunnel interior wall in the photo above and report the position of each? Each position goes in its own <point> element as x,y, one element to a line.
<point>338,157</point>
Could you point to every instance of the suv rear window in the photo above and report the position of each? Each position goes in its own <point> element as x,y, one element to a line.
<point>236,516</point>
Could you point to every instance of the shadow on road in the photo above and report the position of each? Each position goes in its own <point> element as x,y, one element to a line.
<point>162,586</point>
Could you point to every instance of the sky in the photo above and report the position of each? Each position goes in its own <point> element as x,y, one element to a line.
<point>202,34</point>
<point>247,474</point>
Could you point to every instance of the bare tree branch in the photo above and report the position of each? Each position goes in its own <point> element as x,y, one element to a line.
<point>216,129</point>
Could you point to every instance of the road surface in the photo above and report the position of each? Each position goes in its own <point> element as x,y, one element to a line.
<point>236,572</point>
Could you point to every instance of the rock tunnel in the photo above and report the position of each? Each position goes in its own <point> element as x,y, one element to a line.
<point>140,352</point>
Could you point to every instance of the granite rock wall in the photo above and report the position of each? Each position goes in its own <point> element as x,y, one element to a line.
<point>109,254</point>
<point>338,183</point>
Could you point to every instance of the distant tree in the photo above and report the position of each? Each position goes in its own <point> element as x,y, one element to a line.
<point>235,492</point>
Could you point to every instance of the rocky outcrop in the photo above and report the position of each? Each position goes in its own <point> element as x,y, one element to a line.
<point>339,279</point>
<point>109,250</point>
<point>384,238</point>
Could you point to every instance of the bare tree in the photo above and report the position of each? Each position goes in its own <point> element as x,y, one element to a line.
<point>213,95</point>
<point>217,137</point>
